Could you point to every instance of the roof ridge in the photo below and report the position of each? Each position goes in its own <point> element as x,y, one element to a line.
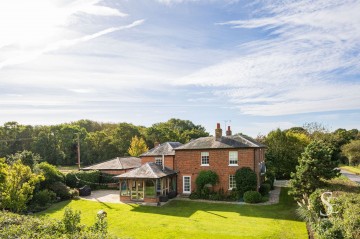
<point>118,158</point>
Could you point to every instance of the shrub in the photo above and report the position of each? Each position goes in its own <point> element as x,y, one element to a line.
<point>264,189</point>
<point>51,174</point>
<point>61,190</point>
<point>81,178</point>
<point>252,197</point>
<point>246,180</point>
<point>74,193</point>
<point>44,197</point>
<point>206,177</point>
<point>232,196</point>
<point>194,195</point>
<point>270,178</point>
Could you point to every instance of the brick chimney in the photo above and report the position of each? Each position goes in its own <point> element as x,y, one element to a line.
<point>218,132</point>
<point>228,131</point>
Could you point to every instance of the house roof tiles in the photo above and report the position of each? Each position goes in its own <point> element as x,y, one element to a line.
<point>148,170</point>
<point>166,148</point>
<point>116,164</point>
<point>234,141</point>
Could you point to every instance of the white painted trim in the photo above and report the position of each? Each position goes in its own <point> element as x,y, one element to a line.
<point>186,192</point>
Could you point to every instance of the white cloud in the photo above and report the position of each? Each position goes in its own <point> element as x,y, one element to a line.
<point>305,64</point>
<point>32,28</point>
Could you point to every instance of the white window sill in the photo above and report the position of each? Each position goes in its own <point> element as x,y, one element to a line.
<point>205,165</point>
<point>230,189</point>
<point>234,165</point>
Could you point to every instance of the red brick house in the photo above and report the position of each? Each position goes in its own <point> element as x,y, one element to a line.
<point>221,154</point>
<point>172,166</point>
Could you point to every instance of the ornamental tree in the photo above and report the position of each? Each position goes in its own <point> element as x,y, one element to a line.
<point>18,186</point>
<point>137,146</point>
<point>315,166</point>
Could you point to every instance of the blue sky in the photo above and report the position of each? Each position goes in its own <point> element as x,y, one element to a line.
<point>259,64</point>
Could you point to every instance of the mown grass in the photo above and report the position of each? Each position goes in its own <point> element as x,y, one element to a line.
<point>352,169</point>
<point>188,219</point>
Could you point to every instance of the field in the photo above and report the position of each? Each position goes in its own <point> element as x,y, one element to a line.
<point>188,219</point>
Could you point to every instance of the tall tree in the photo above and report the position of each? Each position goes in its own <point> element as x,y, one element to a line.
<point>284,149</point>
<point>315,166</point>
<point>27,158</point>
<point>137,146</point>
<point>352,152</point>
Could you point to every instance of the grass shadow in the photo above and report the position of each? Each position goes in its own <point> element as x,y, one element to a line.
<point>285,209</point>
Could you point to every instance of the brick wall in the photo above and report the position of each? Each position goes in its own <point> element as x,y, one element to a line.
<point>188,163</point>
<point>169,160</point>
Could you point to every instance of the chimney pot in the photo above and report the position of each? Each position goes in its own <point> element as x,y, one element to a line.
<point>228,131</point>
<point>218,132</point>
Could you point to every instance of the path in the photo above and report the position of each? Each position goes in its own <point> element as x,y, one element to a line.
<point>353,177</point>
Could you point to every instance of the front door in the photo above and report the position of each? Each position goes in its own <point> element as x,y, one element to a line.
<point>137,190</point>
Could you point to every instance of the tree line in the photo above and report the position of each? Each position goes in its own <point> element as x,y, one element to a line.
<point>284,147</point>
<point>57,144</point>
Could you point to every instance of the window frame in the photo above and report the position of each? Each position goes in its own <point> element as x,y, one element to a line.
<point>232,182</point>
<point>206,155</point>
<point>186,192</point>
<point>159,159</point>
<point>231,158</point>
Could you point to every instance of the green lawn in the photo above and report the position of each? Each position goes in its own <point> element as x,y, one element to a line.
<point>352,169</point>
<point>188,219</point>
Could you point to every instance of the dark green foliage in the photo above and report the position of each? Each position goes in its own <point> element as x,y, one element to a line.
<point>61,190</point>
<point>51,174</point>
<point>315,166</point>
<point>79,179</point>
<point>264,189</point>
<point>43,197</point>
<point>270,176</point>
<point>246,180</point>
<point>252,197</point>
<point>284,149</point>
<point>57,144</point>
<point>205,179</point>
<point>27,158</point>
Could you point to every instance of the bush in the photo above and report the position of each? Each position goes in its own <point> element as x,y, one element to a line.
<point>21,226</point>
<point>194,195</point>
<point>81,178</point>
<point>252,197</point>
<point>264,189</point>
<point>270,178</point>
<point>74,193</point>
<point>51,174</point>
<point>246,180</point>
<point>206,177</point>
<point>43,197</point>
<point>61,190</point>
<point>232,196</point>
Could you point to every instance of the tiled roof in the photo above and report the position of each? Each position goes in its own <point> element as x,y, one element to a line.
<point>148,170</point>
<point>234,141</point>
<point>116,164</point>
<point>166,148</point>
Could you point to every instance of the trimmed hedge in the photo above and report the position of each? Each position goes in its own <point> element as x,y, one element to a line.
<point>252,197</point>
<point>91,178</point>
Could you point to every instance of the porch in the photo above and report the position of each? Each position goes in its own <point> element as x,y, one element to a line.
<point>148,183</point>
